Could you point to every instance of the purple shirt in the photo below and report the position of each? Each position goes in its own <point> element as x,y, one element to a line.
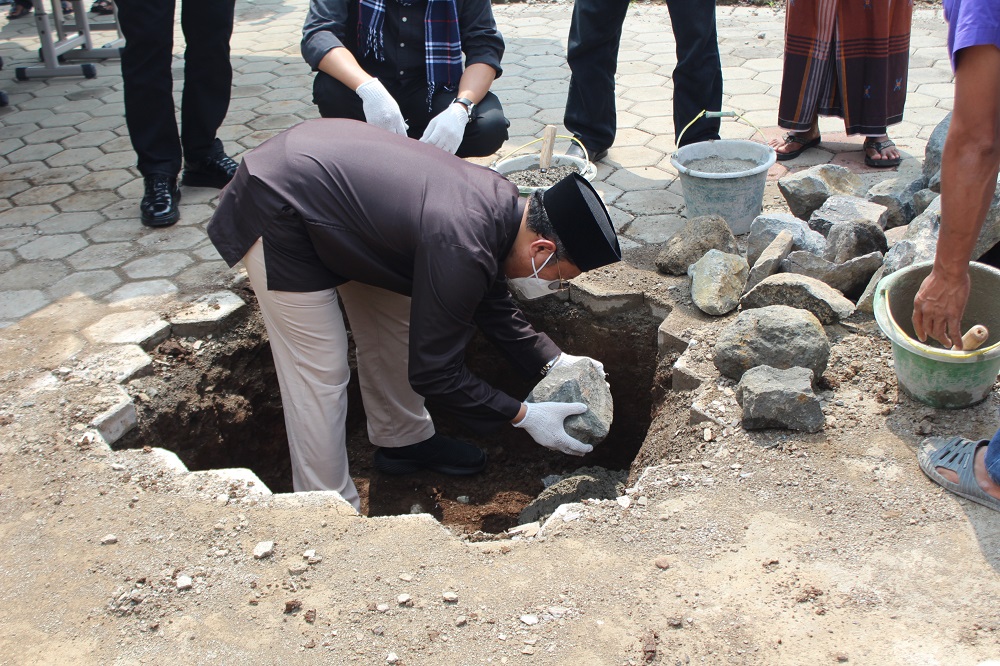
<point>971,23</point>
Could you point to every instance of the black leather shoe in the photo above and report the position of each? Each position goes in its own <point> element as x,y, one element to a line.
<point>438,454</point>
<point>215,171</point>
<point>158,207</point>
<point>595,155</point>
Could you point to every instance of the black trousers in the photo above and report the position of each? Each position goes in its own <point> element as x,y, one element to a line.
<point>594,37</point>
<point>148,26</point>
<point>484,134</point>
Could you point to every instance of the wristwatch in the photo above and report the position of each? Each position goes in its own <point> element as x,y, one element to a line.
<point>469,105</point>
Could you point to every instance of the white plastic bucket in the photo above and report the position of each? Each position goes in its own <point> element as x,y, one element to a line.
<point>739,196</point>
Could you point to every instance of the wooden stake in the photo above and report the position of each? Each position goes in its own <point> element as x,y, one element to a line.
<point>973,338</point>
<point>548,139</point>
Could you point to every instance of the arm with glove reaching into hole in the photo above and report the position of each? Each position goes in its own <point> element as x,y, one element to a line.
<point>545,421</point>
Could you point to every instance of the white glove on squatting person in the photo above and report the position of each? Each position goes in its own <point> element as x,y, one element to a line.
<point>380,108</point>
<point>544,422</point>
<point>446,129</point>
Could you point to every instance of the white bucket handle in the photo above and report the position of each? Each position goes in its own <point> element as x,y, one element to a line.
<point>533,141</point>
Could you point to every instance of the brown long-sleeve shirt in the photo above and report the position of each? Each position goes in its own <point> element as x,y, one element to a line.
<point>339,200</point>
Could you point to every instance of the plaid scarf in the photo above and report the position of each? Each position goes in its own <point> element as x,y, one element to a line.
<point>442,42</point>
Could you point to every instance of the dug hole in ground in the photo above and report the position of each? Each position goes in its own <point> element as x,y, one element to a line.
<point>763,547</point>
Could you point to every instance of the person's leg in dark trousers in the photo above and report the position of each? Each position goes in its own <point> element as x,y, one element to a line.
<point>149,101</point>
<point>592,54</point>
<point>698,75</point>
<point>335,100</point>
<point>208,75</point>
<point>486,131</point>
<point>483,135</point>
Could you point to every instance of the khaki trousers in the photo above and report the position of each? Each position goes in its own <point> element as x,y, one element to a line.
<point>309,344</point>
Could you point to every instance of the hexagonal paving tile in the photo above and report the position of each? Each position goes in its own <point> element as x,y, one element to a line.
<point>103,255</point>
<point>34,275</point>
<point>52,247</point>
<point>161,265</point>
<point>85,283</point>
<point>16,304</point>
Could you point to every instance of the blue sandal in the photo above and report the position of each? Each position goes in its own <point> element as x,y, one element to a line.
<point>958,455</point>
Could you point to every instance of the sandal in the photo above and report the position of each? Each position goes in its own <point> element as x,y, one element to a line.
<point>958,455</point>
<point>804,145</point>
<point>878,147</point>
<point>103,7</point>
<point>18,11</point>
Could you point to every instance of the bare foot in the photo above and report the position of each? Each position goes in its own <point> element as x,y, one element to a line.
<point>982,477</point>
<point>793,141</point>
<point>888,153</point>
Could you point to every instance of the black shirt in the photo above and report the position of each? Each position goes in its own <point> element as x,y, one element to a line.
<point>333,23</point>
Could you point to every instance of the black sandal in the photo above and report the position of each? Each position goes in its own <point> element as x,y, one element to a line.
<point>805,144</point>
<point>18,11</point>
<point>103,7</point>
<point>879,146</point>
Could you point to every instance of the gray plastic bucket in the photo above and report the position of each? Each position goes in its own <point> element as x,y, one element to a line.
<point>933,375</point>
<point>739,196</point>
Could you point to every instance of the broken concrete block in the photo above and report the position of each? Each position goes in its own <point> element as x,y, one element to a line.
<point>800,291</point>
<point>602,299</point>
<point>117,420</point>
<point>322,500</point>
<point>919,243</point>
<point>766,226</point>
<point>935,148</point>
<point>805,191</point>
<point>773,398</point>
<point>584,483</point>
<point>579,382</point>
<point>699,235</point>
<point>770,259</point>
<point>894,235</point>
<point>118,364</point>
<point>849,277</point>
<point>897,195</point>
<point>847,240</point>
<point>866,303</point>
<point>140,327</point>
<point>842,208</point>
<point>717,280</point>
<point>684,375</point>
<point>207,314</point>
<point>923,199</point>
<point>776,335</point>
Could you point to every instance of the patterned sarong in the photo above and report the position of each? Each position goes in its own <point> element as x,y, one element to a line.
<point>845,58</point>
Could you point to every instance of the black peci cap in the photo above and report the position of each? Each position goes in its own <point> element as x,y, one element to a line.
<point>582,222</point>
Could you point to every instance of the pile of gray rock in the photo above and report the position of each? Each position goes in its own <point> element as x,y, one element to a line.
<point>807,269</point>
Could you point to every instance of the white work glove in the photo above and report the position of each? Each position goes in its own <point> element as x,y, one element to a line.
<point>569,359</point>
<point>544,422</point>
<point>446,129</point>
<point>380,108</point>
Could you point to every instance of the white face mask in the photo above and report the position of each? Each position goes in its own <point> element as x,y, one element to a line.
<point>534,287</point>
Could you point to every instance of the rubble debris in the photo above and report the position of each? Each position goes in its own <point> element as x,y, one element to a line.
<point>773,398</point>
<point>584,483</point>
<point>849,277</point>
<point>263,549</point>
<point>897,195</point>
<point>769,261</point>
<point>800,291</point>
<point>717,280</point>
<point>842,208</point>
<point>767,226</point>
<point>699,235</point>
<point>805,191</point>
<point>775,335</point>
<point>847,240</point>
